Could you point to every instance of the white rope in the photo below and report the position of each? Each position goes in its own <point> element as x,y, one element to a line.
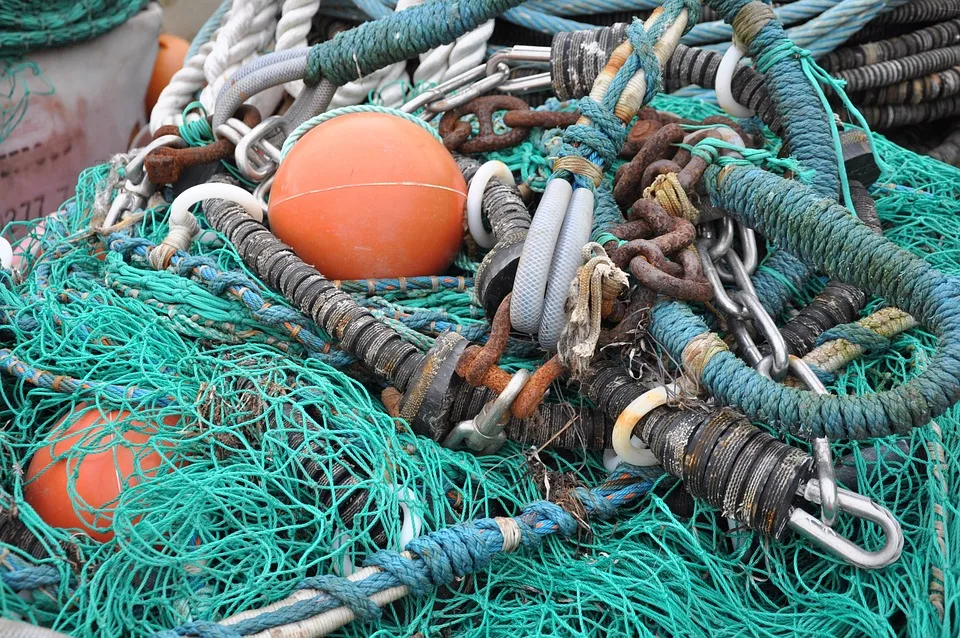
<point>296,17</point>
<point>450,60</point>
<point>388,82</point>
<point>248,31</point>
<point>180,91</point>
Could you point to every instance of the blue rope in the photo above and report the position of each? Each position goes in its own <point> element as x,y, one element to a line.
<point>438,558</point>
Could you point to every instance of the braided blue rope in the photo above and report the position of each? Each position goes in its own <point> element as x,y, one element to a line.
<point>600,141</point>
<point>438,558</point>
<point>856,334</point>
<point>30,578</point>
<point>240,286</point>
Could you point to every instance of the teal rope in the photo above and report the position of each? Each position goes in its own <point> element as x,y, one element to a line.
<point>400,36</point>
<point>56,23</point>
<point>830,240</point>
<point>307,126</point>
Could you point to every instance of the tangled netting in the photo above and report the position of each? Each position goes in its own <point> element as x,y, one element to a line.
<point>277,466</point>
<point>25,26</point>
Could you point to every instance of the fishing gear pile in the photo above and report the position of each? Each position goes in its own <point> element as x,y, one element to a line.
<point>386,333</point>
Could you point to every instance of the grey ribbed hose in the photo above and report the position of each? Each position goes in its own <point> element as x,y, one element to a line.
<point>567,258</point>
<point>240,89</point>
<point>526,305</point>
<point>17,629</point>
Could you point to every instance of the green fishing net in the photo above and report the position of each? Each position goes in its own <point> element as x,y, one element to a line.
<point>268,466</point>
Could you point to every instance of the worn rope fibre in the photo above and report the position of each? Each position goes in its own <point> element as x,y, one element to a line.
<point>650,569</point>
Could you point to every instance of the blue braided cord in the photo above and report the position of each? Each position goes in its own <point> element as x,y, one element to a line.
<point>381,286</point>
<point>792,13</point>
<point>373,8</point>
<point>779,279</point>
<point>600,141</point>
<point>438,558</point>
<point>233,283</point>
<point>15,367</point>
<point>30,578</point>
<point>606,213</point>
<point>835,26</point>
<point>866,338</point>
<point>590,7</point>
<point>805,121</point>
<point>827,237</point>
<point>400,36</point>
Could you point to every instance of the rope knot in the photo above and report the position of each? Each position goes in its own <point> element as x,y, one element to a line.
<point>668,192</point>
<point>597,284</point>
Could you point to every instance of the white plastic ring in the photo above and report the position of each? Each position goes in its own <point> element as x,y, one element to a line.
<point>623,429</point>
<point>491,169</point>
<point>723,85</point>
<point>201,192</point>
<point>6,254</point>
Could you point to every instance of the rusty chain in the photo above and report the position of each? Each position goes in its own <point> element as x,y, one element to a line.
<point>458,135</point>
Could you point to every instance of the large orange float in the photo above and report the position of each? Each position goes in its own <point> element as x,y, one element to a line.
<point>369,195</point>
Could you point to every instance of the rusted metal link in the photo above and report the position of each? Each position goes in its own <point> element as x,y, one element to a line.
<point>691,286</point>
<point>478,367</point>
<point>655,170</point>
<point>637,135</point>
<point>165,165</point>
<point>540,119</point>
<point>519,117</point>
<point>487,139</point>
<point>627,184</point>
<point>682,158</point>
<point>748,139</point>
<point>166,129</point>
<point>488,356</point>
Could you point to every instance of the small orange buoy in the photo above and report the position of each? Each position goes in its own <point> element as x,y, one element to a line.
<point>171,55</point>
<point>370,195</point>
<point>97,477</point>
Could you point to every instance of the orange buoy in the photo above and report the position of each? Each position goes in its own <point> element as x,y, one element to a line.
<point>171,54</point>
<point>370,195</point>
<point>97,477</point>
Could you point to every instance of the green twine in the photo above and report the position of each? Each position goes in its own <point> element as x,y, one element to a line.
<point>818,79</point>
<point>709,150</point>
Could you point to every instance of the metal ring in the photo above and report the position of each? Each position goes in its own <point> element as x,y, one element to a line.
<point>478,184</point>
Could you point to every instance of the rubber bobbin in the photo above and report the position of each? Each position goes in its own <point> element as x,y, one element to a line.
<point>428,399</point>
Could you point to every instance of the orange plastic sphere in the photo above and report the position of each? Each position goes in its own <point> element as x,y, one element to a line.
<point>171,55</point>
<point>370,195</point>
<point>101,475</point>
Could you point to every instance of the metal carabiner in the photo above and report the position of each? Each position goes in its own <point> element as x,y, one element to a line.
<point>829,500</point>
<point>484,433</point>
<point>489,83</point>
<point>137,188</point>
<point>816,531</point>
<point>262,191</point>
<point>521,53</point>
<point>441,90</point>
